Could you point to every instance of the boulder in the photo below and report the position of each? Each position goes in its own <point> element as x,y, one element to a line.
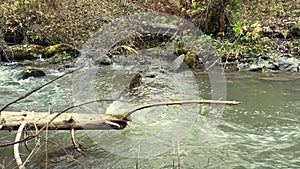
<point>21,52</point>
<point>60,49</point>
<point>32,72</point>
<point>288,64</point>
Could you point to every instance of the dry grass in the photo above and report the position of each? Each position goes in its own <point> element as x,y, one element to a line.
<point>73,22</point>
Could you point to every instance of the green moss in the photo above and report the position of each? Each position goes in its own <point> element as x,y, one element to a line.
<point>182,50</point>
<point>23,52</point>
<point>120,116</point>
<point>60,49</point>
<point>35,49</point>
<point>190,59</point>
<point>31,73</point>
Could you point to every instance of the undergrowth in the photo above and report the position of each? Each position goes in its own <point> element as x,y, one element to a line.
<point>254,28</point>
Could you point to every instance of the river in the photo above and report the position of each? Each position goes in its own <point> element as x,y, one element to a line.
<point>262,132</point>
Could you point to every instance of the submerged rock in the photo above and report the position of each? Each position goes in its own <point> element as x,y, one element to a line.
<point>32,72</point>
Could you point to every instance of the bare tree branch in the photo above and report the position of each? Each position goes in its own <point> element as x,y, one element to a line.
<point>16,146</point>
<point>180,103</point>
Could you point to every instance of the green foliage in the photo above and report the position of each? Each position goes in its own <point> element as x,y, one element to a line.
<point>256,30</point>
<point>59,58</point>
<point>235,4</point>
<point>295,26</point>
<point>285,33</point>
<point>239,28</point>
<point>253,32</point>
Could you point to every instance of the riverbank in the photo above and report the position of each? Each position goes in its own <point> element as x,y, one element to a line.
<point>260,36</point>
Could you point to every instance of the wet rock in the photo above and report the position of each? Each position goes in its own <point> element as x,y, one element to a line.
<point>230,66</point>
<point>263,65</point>
<point>136,81</point>
<point>21,52</point>
<point>256,68</point>
<point>242,66</point>
<point>32,72</point>
<point>103,61</point>
<point>177,63</point>
<point>288,64</point>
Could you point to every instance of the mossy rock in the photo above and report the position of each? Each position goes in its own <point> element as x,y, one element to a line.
<point>60,49</point>
<point>32,72</point>
<point>21,52</point>
<point>136,81</point>
<point>190,59</point>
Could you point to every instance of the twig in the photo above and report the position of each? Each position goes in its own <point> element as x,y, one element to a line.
<point>75,144</point>
<point>36,89</point>
<point>37,145</point>
<point>181,103</point>
<point>46,146</point>
<point>26,143</point>
<point>16,146</point>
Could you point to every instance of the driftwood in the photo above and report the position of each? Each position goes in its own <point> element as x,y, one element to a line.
<point>80,121</point>
<point>65,121</point>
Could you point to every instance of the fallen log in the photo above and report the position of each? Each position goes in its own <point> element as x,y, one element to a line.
<point>64,121</point>
<point>82,121</point>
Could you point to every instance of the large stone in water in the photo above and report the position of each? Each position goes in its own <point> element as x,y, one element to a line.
<point>32,72</point>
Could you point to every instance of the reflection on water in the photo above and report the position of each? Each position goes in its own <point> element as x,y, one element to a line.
<point>262,132</point>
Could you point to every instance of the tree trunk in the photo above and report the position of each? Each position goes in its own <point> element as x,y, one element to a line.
<point>214,20</point>
<point>65,121</point>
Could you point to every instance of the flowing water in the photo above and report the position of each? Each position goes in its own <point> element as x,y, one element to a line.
<point>262,132</point>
